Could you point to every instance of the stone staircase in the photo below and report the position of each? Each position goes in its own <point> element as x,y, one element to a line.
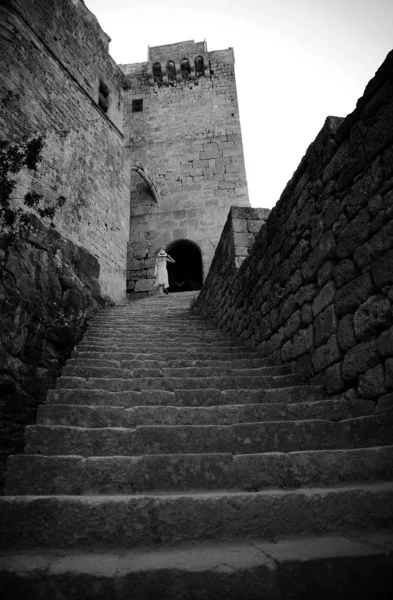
<point>172,462</point>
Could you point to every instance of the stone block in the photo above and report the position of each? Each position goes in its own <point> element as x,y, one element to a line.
<point>299,255</point>
<point>306,293</point>
<point>243,239</point>
<point>372,316</point>
<point>326,355</point>
<point>324,250</point>
<point>359,359</point>
<point>303,367</point>
<point>325,325</point>
<point>389,373</point>
<point>295,281</point>
<point>325,273</point>
<point>324,298</point>
<point>286,352</point>
<point>239,225</point>
<point>346,333</point>
<point>292,324</point>
<point>344,272</point>
<point>385,343</point>
<point>333,381</point>
<point>144,285</point>
<point>288,308</point>
<point>349,297</point>
<point>371,384</point>
<point>254,226</point>
<point>382,270</point>
<point>302,341</point>
<point>307,316</point>
<point>354,234</point>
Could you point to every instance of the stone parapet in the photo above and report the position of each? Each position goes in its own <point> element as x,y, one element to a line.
<point>315,290</point>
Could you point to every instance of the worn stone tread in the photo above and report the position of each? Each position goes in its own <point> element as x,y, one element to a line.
<point>308,567</point>
<point>176,383</point>
<point>87,415</point>
<point>48,475</point>
<point>109,372</point>
<point>146,519</point>
<point>245,438</point>
<point>163,362</point>
<point>195,397</point>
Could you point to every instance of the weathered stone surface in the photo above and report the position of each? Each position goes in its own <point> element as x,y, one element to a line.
<point>344,272</point>
<point>325,325</point>
<point>356,232</point>
<point>389,373</point>
<point>372,316</point>
<point>385,343</point>
<point>333,381</point>
<point>325,249</point>
<point>382,270</point>
<point>293,324</point>
<point>346,333</point>
<point>306,294</point>
<point>49,291</point>
<point>325,273</point>
<point>359,359</point>
<point>324,298</point>
<point>372,383</point>
<point>302,341</point>
<point>128,519</point>
<point>349,297</point>
<point>326,354</point>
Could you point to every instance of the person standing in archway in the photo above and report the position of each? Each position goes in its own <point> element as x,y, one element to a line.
<point>161,273</point>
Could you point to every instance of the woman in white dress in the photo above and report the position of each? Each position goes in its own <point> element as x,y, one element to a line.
<point>160,271</point>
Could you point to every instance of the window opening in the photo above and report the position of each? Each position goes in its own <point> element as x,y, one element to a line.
<point>185,69</point>
<point>103,97</point>
<point>157,72</point>
<point>199,66</point>
<point>137,105</point>
<point>171,70</point>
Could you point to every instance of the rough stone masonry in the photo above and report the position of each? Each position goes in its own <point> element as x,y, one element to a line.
<point>316,289</point>
<point>182,128</point>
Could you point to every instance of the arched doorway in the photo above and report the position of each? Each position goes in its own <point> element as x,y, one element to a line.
<point>185,274</point>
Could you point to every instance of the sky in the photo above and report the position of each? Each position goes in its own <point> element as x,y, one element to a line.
<point>296,62</point>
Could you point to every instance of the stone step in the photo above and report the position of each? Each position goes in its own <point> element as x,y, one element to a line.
<point>111,372</point>
<point>206,356</point>
<point>154,333</point>
<point>242,363</point>
<point>177,350</point>
<point>351,566</point>
<point>147,346</point>
<point>73,475</point>
<point>195,397</point>
<point>229,414</point>
<point>176,383</point>
<point>246,438</point>
<point>135,520</point>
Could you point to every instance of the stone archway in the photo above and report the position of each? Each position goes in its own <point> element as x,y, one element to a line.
<point>187,273</point>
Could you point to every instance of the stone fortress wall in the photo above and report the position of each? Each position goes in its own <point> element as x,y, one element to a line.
<point>58,81</point>
<point>182,132</point>
<point>316,289</point>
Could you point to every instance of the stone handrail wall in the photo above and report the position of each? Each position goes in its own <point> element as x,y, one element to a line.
<point>316,288</point>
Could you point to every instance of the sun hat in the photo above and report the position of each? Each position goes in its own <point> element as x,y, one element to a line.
<point>162,253</point>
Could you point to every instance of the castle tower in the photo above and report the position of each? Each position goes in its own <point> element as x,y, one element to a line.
<point>182,130</point>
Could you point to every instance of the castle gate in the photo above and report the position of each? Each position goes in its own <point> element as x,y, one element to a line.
<point>186,274</point>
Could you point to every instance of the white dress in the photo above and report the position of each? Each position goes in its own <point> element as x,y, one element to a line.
<point>162,273</point>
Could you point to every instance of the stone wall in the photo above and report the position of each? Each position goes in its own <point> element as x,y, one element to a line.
<point>58,81</point>
<point>49,290</point>
<point>316,289</point>
<point>188,139</point>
